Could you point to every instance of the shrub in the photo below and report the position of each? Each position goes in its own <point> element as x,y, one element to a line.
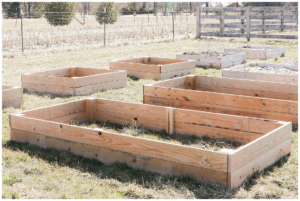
<point>112,12</point>
<point>60,13</point>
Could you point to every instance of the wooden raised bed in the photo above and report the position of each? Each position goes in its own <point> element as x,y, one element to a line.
<point>12,96</point>
<point>236,72</point>
<point>227,59</point>
<point>267,100</point>
<point>265,141</point>
<point>74,81</point>
<point>258,52</point>
<point>154,68</point>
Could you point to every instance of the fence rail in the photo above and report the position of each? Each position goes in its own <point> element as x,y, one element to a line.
<point>252,19</point>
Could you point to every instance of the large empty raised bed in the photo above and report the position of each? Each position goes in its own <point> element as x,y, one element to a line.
<point>214,58</point>
<point>258,52</point>
<point>263,72</point>
<point>74,81</point>
<point>263,141</point>
<point>12,96</point>
<point>154,68</point>
<point>267,100</point>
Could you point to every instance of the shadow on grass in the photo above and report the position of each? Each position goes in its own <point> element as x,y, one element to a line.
<point>208,67</point>
<point>50,95</point>
<point>133,78</point>
<point>126,174</point>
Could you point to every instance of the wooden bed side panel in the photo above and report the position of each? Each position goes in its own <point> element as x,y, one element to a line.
<point>292,79</point>
<point>188,64</point>
<point>99,87</point>
<point>253,150</point>
<point>135,67</point>
<point>40,88</point>
<point>177,73</point>
<point>144,75</point>
<point>109,156</point>
<point>100,78</point>
<point>178,82</point>
<point>59,110</point>
<point>13,93</point>
<point>144,147</point>
<point>81,72</point>
<point>237,177</point>
<point>262,86</point>
<point>276,52</point>
<point>265,104</point>
<point>44,80</point>
<point>220,109</point>
<point>15,103</point>
<point>164,61</point>
<point>63,72</point>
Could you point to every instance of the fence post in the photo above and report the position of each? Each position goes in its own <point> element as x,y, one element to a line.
<point>173,24</point>
<point>104,26</point>
<point>198,21</point>
<point>242,21</point>
<point>282,20</point>
<point>248,23</point>
<point>263,21</point>
<point>148,16</point>
<point>22,29</point>
<point>222,21</point>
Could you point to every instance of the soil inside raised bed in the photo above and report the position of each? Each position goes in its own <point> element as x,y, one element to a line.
<point>271,70</point>
<point>205,142</point>
<point>209,54</point>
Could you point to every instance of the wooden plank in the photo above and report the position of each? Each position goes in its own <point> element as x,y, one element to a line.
<point>91,109</point>
<point>100,78</point>
<point>144,147</point>
<point>224,34</point>
<point>256,148</point>
<point>178,82</point>
<point>144,75</point>
<point>274,36</point>
<point>99,87</point>
<point>275,8</point>
<point>247,102</point>
<point>221,109</point>
<point>178,66</point>
<point>109,156</point>
<point>224,121</point>
<point>13,93</point>
<point>135,67</point>
<point>170,120</point>
<point>135,120</point>
<point>222,8</point>
<point>268,158</point>
<point>44,80</point>
<point>149,111</point>
<point>63,72</point>
<point>200,131</point>
<point>169,75</point>
<point>59,110</point>
<point>292,79</point>
<point>198,22</point>
<point>165,61</point>
<point>285,17</point>
<point>12,103</point>
<point>82,72</point>
<point>269,26</point>
<point>5,87</point>
<point>60,90</point>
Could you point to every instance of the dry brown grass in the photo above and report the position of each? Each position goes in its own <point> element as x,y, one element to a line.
<point>31,172</point>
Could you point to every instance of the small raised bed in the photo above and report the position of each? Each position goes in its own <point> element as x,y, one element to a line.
<point>12,96</point>
<point>154,68</point>
<point>264,141</point>
<point>74,81</point>
<point>263,72</point>
<point>252,98</point>
<point>258,52</point>
<point>214,58</point>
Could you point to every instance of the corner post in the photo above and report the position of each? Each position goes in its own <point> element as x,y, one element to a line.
<point>170,120</point>
<point>198,21</point>
<point>91,109</point>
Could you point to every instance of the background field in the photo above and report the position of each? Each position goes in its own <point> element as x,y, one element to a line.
<point>31,172</point>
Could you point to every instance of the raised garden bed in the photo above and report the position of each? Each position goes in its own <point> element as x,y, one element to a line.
<point>263,72</point>
<point>74,81</point>
<point>252,98</point>
<point>264,141</point>
<point>214,58</point>
<point>258,52</point>
<point>12,96</point>
<point>154,68</point>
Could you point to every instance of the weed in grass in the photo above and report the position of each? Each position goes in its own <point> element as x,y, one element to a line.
<point>12,178</point>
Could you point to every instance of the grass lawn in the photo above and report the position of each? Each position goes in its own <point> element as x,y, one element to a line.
<point>31,172</point>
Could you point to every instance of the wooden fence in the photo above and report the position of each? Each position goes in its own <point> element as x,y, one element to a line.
<point>252,19</point>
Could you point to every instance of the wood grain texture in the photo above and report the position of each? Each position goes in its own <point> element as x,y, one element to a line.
<point>48,80</point>
<point>42,88</point>
<point>144,147</point>
<point>12,96</point>
<point>220,109</point>
<point>15,103</point>
<point>256,148</point>
<point>110,156</point>
<point>268,158</point>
